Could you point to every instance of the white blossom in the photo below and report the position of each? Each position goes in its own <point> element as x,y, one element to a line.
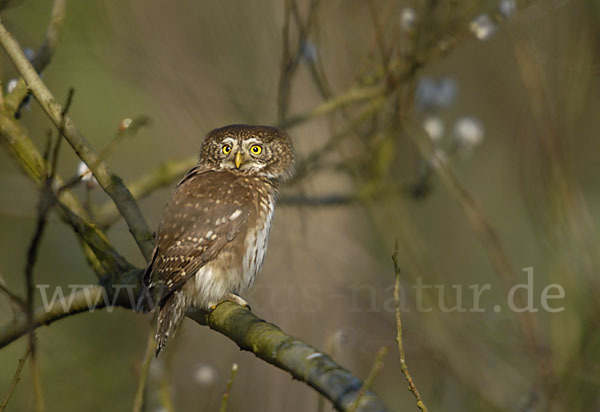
<point>482,27</point>
<point>86,175</point>
<point>507,8</point>
<point>408,19</point>
<point>11,85</point>
<point>468,133</point>
<point>434,127</point>
<point>205,374</point>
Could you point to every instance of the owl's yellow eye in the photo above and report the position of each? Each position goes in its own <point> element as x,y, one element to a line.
<point>226,149</point>
<point>255,149</point>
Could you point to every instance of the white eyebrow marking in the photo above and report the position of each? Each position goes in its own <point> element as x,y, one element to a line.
<point>251,140</point>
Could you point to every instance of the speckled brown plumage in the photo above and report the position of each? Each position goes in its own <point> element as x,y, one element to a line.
<point>213,233</point>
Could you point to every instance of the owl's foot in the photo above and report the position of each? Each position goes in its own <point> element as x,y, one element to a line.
<point>230,297</point>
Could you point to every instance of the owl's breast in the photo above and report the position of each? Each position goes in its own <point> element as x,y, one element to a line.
<point>255,243</point>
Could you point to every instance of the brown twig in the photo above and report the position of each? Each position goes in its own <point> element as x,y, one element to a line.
<point>15,380</point>
<point>403,367</point>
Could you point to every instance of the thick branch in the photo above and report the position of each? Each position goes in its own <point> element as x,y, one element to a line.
<point>111,184</point>
<point>301,360</point>
<point>75,303</point>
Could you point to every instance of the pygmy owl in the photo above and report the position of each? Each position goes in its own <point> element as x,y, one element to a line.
<point>212,237</point>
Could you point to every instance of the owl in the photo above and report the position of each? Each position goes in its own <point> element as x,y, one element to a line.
<point>213,234</point>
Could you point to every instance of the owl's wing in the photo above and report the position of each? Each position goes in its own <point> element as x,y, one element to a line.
<point>201,217</point>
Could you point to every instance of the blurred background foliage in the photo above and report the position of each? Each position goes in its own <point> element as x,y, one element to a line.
<point>480,160</point>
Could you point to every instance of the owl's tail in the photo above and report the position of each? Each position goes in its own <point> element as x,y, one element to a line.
<point>170,317</point>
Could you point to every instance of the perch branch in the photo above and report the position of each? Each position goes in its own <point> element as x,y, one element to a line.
<point>111,184</point>
<point>250,333</point>
<point>302,361</point>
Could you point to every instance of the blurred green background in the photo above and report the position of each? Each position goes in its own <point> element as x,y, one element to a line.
<point>532,86</point>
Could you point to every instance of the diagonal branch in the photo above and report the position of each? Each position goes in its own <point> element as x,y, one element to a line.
<point>71,211</point>
<point>111,184</point>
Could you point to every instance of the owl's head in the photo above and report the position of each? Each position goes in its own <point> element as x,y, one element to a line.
<point>249,150</point>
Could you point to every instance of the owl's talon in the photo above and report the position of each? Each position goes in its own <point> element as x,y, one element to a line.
<point>230,297</point>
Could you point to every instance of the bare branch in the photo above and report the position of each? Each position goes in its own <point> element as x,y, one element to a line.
<point>15,380</point>
<point>71,211</point>
<point>251,333</point>
<point>403,367</point>
<point>302,361</point>
<point>78,303</point>
<point>111,184</point>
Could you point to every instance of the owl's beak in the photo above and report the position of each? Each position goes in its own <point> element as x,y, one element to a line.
<point>238,160</point>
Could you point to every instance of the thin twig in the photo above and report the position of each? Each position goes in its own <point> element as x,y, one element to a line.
<point>127,128</point>
<point>377,365</point>
<point>15,380</point>
<point>138,402</point>
<point>225,399</point>
<point>403,367</point>
<point>130,129</point>
<point>15,100</point>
